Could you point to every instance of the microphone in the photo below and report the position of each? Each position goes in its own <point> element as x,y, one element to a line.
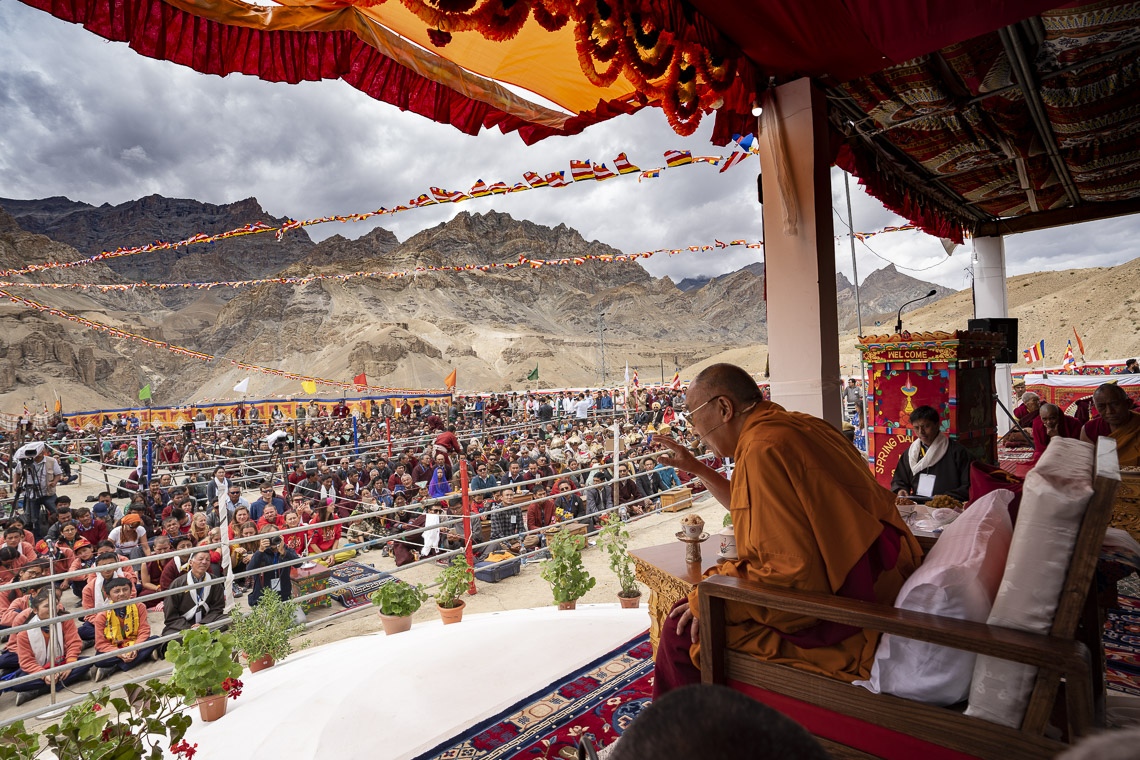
<point>898,324</point>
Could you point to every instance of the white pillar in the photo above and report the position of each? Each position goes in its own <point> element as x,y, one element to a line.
<point>803,323</point>
<point>991,300</point>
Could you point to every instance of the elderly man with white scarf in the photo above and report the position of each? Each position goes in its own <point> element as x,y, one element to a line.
<point>933,464</point>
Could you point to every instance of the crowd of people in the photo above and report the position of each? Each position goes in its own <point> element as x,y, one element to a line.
<point>287,491</point>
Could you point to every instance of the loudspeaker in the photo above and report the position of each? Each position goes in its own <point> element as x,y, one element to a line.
<point>1008,328</point>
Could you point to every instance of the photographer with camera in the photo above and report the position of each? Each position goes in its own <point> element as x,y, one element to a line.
<point>271,554</point>
<point>36,475</point>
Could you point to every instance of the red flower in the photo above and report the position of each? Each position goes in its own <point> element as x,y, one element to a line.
<point>106,733</point>
<point>232,686</point>
<point>96,707</point>
<point>184,749</point>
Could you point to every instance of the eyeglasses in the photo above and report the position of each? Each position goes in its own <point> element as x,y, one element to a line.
<point>691,412</point>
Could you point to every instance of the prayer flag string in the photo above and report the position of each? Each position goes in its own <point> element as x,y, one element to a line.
<point>580,171</point>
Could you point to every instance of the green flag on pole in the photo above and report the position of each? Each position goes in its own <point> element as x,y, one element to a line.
<point>144,393</point>
<point>533,375</point>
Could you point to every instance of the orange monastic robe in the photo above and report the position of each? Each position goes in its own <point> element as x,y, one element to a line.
<point>805,510</point>
<point>1127,438</point>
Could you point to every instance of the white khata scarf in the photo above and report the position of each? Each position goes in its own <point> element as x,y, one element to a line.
<point>431,537</point>
<point>40,644</point>
<point>198,595</point>
<point>918,463</point>
<point>101,599</point>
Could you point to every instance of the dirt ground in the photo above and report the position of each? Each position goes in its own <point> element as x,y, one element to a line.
<point>525,590</point>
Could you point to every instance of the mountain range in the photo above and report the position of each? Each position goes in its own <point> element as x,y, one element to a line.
<point>493,326</point>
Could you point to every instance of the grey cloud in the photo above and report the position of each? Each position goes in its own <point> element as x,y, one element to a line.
<point>79,114</point>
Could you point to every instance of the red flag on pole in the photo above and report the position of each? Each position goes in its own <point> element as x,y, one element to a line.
<point>360,379</point>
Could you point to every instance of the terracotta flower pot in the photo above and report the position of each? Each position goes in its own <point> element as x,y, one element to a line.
<point>451,615</point>
<point>260,663</point>
<point>212,707</point>
<point>630,602</point>
<point>568,605</point>
<point>393,624</point>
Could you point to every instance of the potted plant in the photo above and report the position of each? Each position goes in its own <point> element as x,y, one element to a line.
<point>205,670</point>
<point>453,580</point>
<point>614,540</point>
<point>397,601</point>
<point>263,634</point>
<point>103,726</point>
<point>564,571</point>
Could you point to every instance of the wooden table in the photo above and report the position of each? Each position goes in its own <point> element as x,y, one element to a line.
<point>669,577</point>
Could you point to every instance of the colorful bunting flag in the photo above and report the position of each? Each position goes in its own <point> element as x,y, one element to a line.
<point>1069,361</point>
<point>581,170</point>
<point>1035,353</point>
<point>733,160</point>
<point>623,165</point>
<point>309,387</point>
<point>746,143</point>
<point>534,179</point>
<point>675,384</point>
<point>479,189</point>
<point>635,383</point>
<point>602,172</point>
<point>651,174</point>
<point>557,179</point>
<point>676,158</point>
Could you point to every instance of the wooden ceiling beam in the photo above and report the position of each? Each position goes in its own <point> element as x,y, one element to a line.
<point>1086,212</point>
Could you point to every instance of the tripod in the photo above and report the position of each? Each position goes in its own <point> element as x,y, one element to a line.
<point>1013,419</point>
<point>30,490</point>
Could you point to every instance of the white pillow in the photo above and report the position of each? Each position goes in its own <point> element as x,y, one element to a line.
<point>1054,499</point>
<point>959,578</point>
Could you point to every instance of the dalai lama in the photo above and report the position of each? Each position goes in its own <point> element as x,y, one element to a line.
<point>807,514</point>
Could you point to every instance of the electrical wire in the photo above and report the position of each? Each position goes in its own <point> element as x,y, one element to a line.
<point>881,256</point>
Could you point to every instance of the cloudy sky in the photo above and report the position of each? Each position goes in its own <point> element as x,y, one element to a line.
<point>96,122</point>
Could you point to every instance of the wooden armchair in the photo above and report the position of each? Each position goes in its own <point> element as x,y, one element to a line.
<point>852,722</point>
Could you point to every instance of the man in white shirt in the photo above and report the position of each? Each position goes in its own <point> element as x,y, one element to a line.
<point>583,405</point>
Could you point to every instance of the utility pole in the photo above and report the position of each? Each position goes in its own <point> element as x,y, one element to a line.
<point>602,348</point>
<point>662,360</point>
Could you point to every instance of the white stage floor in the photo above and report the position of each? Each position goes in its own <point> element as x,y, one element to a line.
<point>383,697</point>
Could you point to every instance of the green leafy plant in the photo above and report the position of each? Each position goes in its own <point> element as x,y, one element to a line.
<point>614,540</point>
<point>203,660</point>
<point>453,580</point>
<point>568,577</point>
<point>727,522</point>
<point>398,599</point>
<point>267,628</point>
<point>103,727</point>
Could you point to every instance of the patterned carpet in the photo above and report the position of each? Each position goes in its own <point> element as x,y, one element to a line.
<point>1122,646</point>
<point>601,699</point>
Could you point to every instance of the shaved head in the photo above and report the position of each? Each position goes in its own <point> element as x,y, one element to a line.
<point>727,380</point>
<point>1111,392</point>
<point>1050,410</point>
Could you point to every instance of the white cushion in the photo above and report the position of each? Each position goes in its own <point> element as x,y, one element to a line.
<point>959,578</point>
<point>1053,502</point>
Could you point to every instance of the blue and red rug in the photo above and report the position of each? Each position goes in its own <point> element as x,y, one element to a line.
<point>601,699</point>
<point>1122,646</point>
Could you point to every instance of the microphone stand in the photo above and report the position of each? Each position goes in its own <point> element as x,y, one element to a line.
<point>898,323</point>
